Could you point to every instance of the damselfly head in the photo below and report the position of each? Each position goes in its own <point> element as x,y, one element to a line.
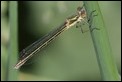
<point>81,12</point>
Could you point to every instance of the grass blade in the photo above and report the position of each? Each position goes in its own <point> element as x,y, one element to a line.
<point>101,43</point>
<point>13,45</point>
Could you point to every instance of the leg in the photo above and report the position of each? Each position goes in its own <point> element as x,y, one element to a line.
<point>94,29</point>
<point>92,15</point>
<point>77,25</point>
<point>80,23</point>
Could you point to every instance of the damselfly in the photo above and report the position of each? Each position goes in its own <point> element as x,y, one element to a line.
<point>28,52</point>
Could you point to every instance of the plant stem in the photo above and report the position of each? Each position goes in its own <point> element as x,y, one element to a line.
<point>12,74</point>
<point>101,43</point>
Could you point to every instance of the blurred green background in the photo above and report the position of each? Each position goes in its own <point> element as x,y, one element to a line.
<point>70,56</point>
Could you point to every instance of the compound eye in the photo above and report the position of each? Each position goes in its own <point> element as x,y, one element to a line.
<point>79,8</point>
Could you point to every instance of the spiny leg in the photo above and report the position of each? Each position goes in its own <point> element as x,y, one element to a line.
<point>92,15</point>
<point>80,24</point>
<point>77,25</point>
